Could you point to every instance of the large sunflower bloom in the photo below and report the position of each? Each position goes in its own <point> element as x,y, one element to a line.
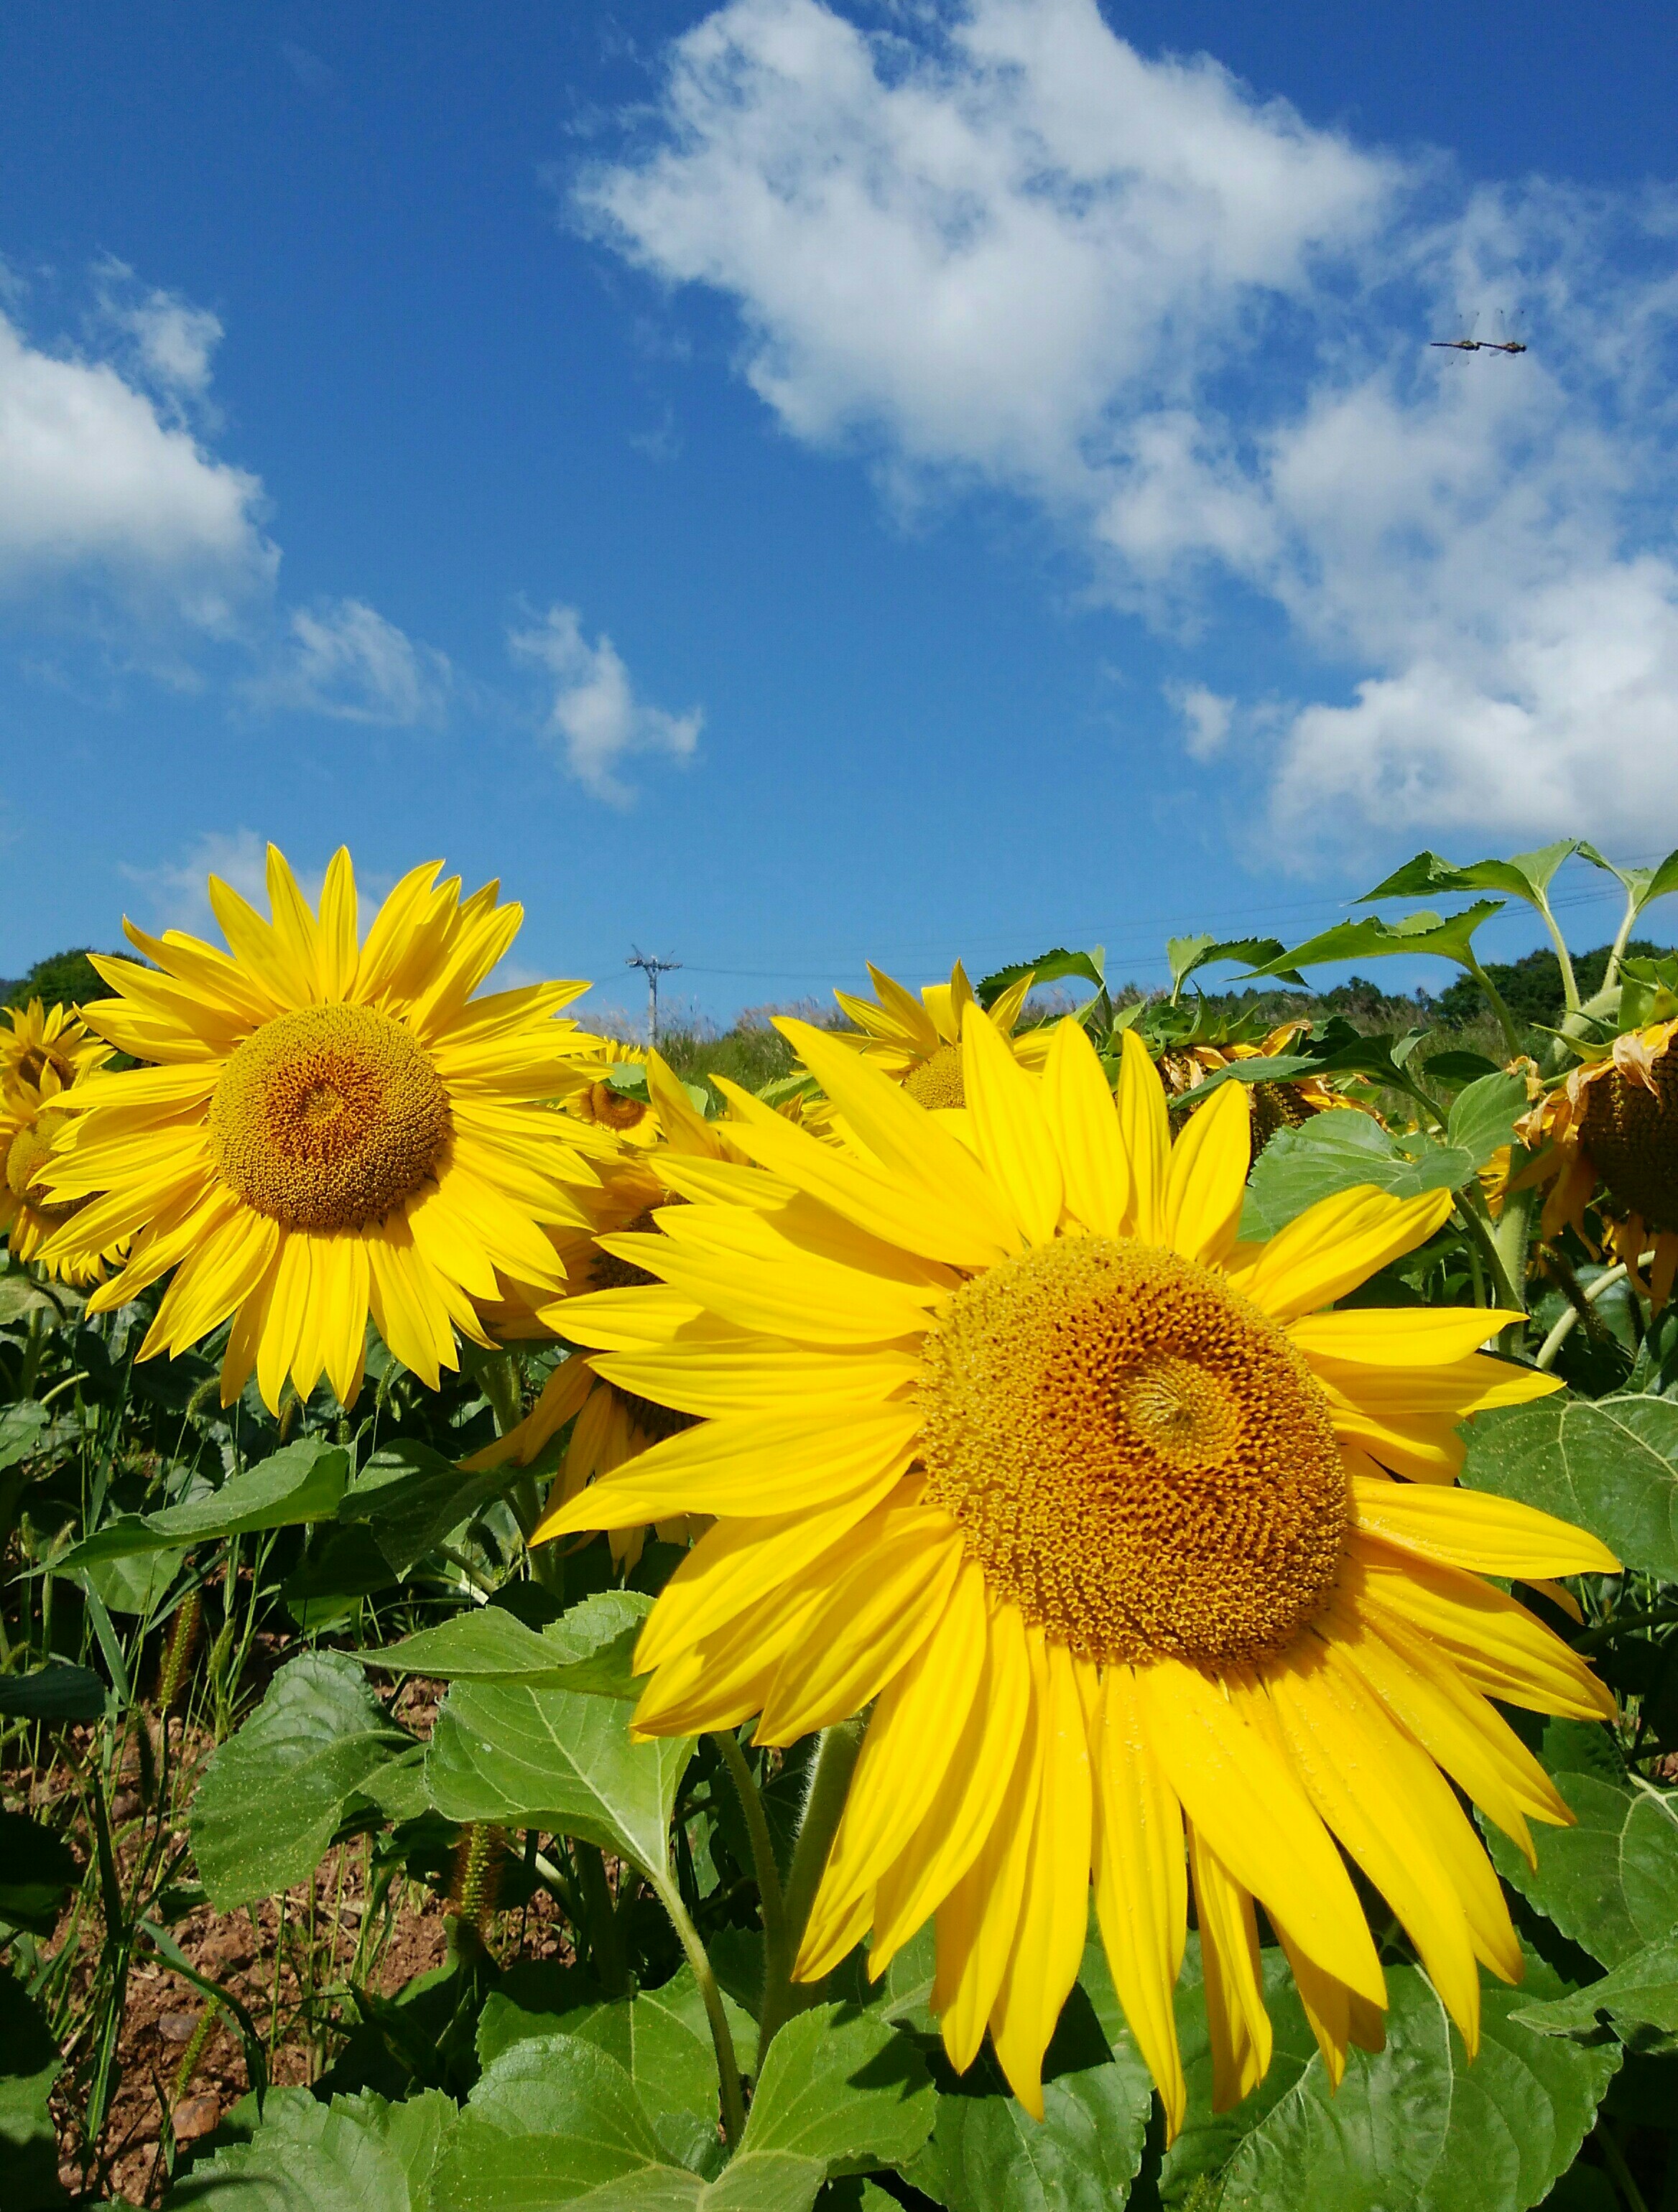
<point>33,1118</point>
<point>1098,1507</point>
<point>38,1038</point>
<point>611,1425</point>
<point>1273,1105</point>
<point>918,1042</point>
<point>329,1128</point>
<point>1614,1123</point>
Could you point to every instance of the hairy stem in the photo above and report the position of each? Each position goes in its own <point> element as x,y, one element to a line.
<point>757,1827</point>
<point>830,1782</point>
<point>722,2037</point>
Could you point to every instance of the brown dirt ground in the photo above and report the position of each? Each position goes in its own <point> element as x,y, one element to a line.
<point>283,1983</point>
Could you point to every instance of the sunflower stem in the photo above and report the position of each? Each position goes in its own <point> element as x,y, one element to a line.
<point>1472,1214</point>
<point>722,2037</point>
<point>757,1827</point>
<point>830,1782</point>
<point>1512,1037</point>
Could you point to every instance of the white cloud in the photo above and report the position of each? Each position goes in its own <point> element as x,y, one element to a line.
<point>1206,718</point>
<point>1017,252</point>
<point>595,714</point>
<point>345,660</point>
<point>173,343</point>
<point>93,476</point>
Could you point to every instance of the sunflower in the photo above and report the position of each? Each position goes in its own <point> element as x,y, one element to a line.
<point>39,1038</point>
<point>327,1128</point>
<point>1273,1105</point>
<point>1614,1123</point>
<point>612,1426</point>
<point>33,1118</point>
<point>1149,1563</point>
<point>633,1119</point>
<point>918,1044</point>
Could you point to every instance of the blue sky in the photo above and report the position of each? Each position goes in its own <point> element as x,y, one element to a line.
<point>785,484</point>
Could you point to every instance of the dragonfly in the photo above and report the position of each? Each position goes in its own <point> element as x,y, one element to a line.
<point>1464,342</point>
<point>1508,340</point>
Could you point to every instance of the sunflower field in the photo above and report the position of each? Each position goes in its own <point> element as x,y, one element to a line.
<point>1046,1610</point>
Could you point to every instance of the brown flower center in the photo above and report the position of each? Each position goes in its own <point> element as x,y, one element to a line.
<point>331,1117</point>
<point>1630,1134</point>
<point>937,1081</point>
<point>1137,1457</point>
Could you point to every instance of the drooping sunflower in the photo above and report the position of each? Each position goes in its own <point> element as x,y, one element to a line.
<point>612,1426</point>
<point>1149,1561</point>
<point>918,1042</point>
<point>39,1037</point>
<point>328,1128</point>
<point>1273,1106</point>
<point>1613,1124</point>
<point>33,1118</point>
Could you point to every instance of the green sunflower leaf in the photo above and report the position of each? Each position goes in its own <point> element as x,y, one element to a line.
<point>1609,1464</point>
<point>840,2085</point>
<point>1610,1882</point>
<point>1449,937</point>
<point>1527,876</point>
<point>29,2063</point>
<point>1419,2125</point>
<point>1640,1994</point>
<point>588,1649</point>
<point>988,2154</point>
<point>301,1482</point>
<point>355,2154</point>
<point>37,1869</point>
<point>556,1759</point>
<point>1338,1152</point>
<point>1047,968</point>
<point>273,1795</point>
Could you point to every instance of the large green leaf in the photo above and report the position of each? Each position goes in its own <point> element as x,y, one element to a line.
<point>1609,1464</point>
<point>548,2121</point>
<point>37,1869</point>
<point>1610,1882</point>
<point>273,1795</point>
<point>588,1649</point>
<point>1639,1995</point>
<point>1188,954</point>
<point>988,2154</point>
<point>355,2154</point>
<point>1369,940</point>
<point>57,1691</point>
<point>841,2084</point>
<point>1339,1152</point>
<point>764,2181</point>
<point>1047,968</point>
<point>29,2064</point>
<point>1483,1116</point>
<point>21,1425</point>
<point>301,1482</point>
<point>1527,876</point>
<point>1418,2126</point>
<point>412,1497</point>
<point>558,1759</point>
<point>655,2037</point>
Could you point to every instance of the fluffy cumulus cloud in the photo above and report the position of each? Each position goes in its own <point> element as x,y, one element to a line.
<point>1012,250</point>
<point>98,474</point>
<point>175,894</point>
<point>594,715</point>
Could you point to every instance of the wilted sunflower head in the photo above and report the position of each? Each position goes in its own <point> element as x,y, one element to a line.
<point>1608,1136</point>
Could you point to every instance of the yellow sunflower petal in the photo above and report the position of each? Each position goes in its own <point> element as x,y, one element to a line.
<point>1011,1127</point>
<point>1232,1978</point>
<point>1254,1815</point>
<point>1079,1108</point>
<point>1472,1528</point>
<point>1145,1132</point>
<point>1206,1178</point>
<point>1141,1888</point>
<point>1338,1243</point>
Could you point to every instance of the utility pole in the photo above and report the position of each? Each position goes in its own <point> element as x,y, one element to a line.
<point>653,969</point>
